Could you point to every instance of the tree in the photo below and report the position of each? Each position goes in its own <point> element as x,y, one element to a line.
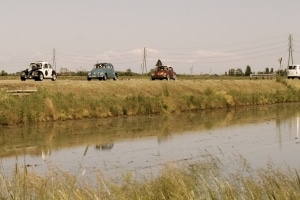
<point>239,72</point>
<point>248,71</point>
<point>3,73</point>
<point>128,72</point>
<point>231,72</point>
<point>267,70</point>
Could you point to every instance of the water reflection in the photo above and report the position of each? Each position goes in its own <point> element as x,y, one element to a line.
<point>297,133</point>
<point>146,141</point>
<point>297,129</point>
<point>107,146</point>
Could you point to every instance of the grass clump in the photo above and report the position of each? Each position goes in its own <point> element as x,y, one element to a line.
<point>202,180</point>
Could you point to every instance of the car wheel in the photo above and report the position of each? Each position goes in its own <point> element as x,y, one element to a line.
<point>115,78</point>
<point>89,79</point>
<point>104,77</point>
<point>175,78</point>
<point>41,76</point>
<point>53,77</point>
<point>168,77</point>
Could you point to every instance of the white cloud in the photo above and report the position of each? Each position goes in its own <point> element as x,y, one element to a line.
<point>138,51</point>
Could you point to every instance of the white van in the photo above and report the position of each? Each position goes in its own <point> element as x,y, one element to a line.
<point>293,71</point>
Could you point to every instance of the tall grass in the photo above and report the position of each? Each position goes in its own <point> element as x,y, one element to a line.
<point>65,100</point>
<point>202,180</point>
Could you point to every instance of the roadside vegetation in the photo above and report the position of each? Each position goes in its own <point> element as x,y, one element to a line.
<point>205,180</point>
<point>77,99</point>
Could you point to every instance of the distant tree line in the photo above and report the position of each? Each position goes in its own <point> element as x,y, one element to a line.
<point>3,73</point>
<point>248,71</point>
<point>128,72</point>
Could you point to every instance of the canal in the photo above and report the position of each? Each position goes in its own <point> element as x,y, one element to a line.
<point>142,145</point>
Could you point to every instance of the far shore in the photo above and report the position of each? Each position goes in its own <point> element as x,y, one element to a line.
<point>70,99</point>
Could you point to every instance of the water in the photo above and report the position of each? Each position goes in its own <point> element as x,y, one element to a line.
<point>145,144</point>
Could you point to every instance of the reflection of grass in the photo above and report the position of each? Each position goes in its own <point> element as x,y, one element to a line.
<point>68,100</point>
<point>72,133</point>
<point>203,180</point>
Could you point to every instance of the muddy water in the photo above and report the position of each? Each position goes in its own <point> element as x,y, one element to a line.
<point>145,144</point>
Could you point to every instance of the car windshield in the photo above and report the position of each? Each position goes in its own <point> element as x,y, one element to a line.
<point>161,68</point>
<point>98,66</point>
<point>35,65</point>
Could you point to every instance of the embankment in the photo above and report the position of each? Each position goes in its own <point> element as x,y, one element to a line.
<point>78,99</point>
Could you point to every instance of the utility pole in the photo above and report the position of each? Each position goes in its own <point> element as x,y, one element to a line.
<point>280,62</point>
<point>54,60</point>
<point>144,66</point>
<point>290,50</point>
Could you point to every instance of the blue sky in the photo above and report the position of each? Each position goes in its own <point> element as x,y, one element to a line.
<point>193,36</point>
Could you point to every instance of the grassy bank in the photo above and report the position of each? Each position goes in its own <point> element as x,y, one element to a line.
<point>197,181</point>
<point>77,99</point>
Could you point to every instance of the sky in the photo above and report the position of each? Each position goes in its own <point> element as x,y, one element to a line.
<point>193,36</point>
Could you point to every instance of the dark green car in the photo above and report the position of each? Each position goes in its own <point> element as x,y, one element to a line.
<point>102,71</point>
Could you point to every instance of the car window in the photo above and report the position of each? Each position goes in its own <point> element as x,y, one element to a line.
<point>292,67</point>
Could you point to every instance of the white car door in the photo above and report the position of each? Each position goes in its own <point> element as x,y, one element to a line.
<point>47,71</point>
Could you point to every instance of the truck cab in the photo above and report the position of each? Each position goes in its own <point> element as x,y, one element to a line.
<point>293,71</point>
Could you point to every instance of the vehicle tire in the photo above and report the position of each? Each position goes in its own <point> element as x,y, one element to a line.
<point>89,79</point>
<point>174,78</point>
<point>168,78</point>
<point>104,77</point>
<point>53,77</point>
<point>23,79</point>
<point>116,77</point>
<point>41,76</point>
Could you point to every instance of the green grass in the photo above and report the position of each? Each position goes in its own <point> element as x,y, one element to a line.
<point>202,180</point>
<point>78,99</point>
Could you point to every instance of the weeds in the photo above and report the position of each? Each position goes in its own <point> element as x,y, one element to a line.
<point>202,180</point>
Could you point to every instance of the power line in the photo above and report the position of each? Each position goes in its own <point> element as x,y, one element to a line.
<point>174,56</point>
